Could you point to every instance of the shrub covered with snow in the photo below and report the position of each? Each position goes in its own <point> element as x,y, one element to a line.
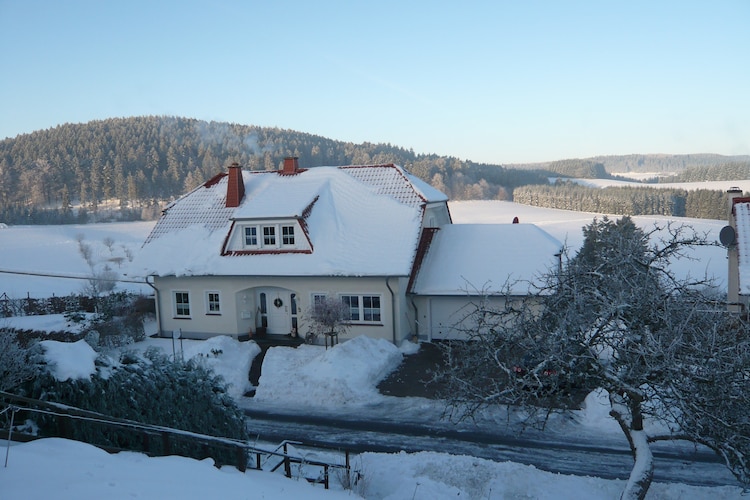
<point>145,387</point>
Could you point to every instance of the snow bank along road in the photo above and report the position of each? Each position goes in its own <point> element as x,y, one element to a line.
<point>685,465</point>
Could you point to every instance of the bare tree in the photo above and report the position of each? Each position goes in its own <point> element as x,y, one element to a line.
<point>327,316</point>
<point>616,317</point>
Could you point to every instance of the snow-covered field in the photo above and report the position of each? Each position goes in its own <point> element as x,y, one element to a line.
<point>54,249</point>
<point>56,468</point>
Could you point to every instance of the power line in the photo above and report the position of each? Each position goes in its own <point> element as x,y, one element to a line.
<point>69,276</point>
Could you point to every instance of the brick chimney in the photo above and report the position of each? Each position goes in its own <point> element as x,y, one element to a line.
<point>291,165</point>
<point>235,186</point>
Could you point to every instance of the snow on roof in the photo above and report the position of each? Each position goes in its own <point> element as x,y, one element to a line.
<point>742,221</point>
<point>397,183</point>
<point>485,258</point>
<point>365,222</point>
<point>265,197</point>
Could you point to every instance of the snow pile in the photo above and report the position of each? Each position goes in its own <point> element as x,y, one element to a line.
<point>595,412</point>
<point>59,468</point>
<point>429,476</point>
<point>346,374</point>
<point>69,360</point>
<point>226,357</point>
<point>436,475</point>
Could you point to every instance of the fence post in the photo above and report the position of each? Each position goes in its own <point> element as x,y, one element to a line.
<point>348,468</point>
<point>287,464</point>
<point>165,444</point>
<point>241,459</point>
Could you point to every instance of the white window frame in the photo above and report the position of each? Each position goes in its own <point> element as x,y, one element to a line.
<point>210,302</point>
<point>316,297</point>
<point>176,306</point>
<point>285,238</point>
<point>253,237</point>
<point>269,238</point>
<point>269,235</point>
<point>361,308</point>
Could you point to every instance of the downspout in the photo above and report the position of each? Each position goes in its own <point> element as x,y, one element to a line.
<point>393,309</point>
<point>157,307</point>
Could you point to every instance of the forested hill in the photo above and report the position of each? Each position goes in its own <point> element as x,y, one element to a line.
<point>142,161</point>
<point>127,168</point>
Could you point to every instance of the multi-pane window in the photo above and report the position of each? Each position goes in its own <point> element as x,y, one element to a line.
<point>269,235</point>
<point>181,304</point>
<point>213,303</point>
<point>352,303</point>
<point>251,236</point>
<point>371,308</point>
<point>318,299</point>
<point>362,308</point>
<point>287,235</point>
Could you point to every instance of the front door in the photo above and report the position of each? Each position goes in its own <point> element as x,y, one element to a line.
<point>277,310</point>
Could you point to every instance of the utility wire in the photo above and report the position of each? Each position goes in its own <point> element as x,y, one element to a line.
<point>68,276</point>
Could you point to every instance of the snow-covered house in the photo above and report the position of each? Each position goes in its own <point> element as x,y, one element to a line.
<point>251,252</point>
<point>736,238</point>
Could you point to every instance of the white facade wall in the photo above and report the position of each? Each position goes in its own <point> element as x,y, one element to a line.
<point>239,306</point>
<point>447,317</point>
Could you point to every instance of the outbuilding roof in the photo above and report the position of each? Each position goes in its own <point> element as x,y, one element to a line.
<point>487,259</point>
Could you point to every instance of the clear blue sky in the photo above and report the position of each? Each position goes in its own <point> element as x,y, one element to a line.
<point>495,81</point>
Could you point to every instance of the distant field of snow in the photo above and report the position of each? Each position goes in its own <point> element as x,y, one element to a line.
<point>54,249</point>
<point>687,186</point>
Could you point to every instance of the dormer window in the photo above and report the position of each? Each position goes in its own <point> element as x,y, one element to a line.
<point>287,235</point>
<point>269,236</point>
<point>251,236</point>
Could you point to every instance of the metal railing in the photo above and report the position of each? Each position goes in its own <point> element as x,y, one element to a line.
<point>159,440</point>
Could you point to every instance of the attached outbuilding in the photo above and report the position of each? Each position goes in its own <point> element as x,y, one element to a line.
<point>467,265</point>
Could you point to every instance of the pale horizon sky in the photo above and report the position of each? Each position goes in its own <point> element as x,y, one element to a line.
<point>494,82</point>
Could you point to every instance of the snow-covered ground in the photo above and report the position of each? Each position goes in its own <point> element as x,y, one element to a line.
<point>58,468</point>
<point>344,377</point>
